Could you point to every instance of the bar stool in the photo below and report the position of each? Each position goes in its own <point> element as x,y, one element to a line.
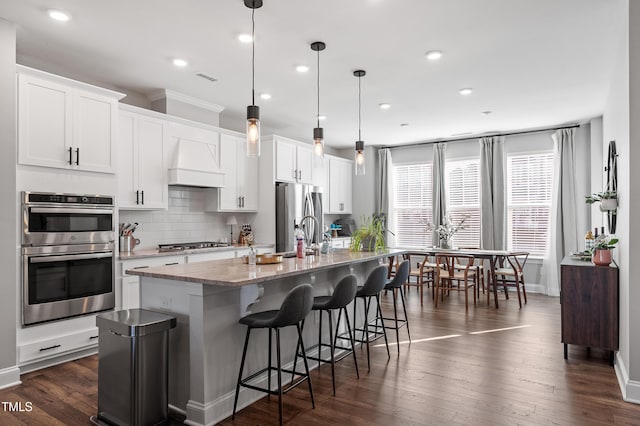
<point>344,293</point>
<point>395,285</point>
<point>295,307</point>
<point>372,287</point>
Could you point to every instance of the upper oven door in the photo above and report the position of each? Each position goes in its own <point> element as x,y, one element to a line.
<point>54,225</point>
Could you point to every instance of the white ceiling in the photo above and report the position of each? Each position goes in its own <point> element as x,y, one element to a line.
<point>534,63</point>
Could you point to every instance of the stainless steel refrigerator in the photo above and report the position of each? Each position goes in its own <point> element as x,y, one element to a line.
<point>293,202</point>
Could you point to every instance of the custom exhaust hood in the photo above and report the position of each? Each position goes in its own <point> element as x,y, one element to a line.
<point>196,163</point>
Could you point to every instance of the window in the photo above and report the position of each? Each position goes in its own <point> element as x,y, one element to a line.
<point>463,192</point>
<point>529,180</point>
<point>412,204</point>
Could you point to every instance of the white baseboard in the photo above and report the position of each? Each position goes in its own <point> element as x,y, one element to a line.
<point>9,377</point>
<point>630,388</point>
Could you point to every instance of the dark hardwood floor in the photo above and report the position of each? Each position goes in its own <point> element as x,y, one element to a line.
<point>514,374</point>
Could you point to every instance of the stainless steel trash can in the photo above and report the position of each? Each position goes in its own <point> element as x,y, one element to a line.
<point>133,353</point>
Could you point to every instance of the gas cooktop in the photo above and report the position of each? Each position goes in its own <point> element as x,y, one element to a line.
<point>190,246</point>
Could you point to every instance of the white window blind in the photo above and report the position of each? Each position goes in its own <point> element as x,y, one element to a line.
<point>412,204</point>
<point>463,191</point>
<point>529,180</point>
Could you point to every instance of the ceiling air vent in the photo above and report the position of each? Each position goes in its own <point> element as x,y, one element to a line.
<point>206,77</point>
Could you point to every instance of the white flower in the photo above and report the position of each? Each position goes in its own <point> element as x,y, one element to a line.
<point>447,229</point>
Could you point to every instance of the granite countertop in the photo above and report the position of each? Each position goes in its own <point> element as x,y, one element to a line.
<point>153,252</point>
<point>235,273</point>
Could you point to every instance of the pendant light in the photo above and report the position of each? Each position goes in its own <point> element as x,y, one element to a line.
<point>359,157</point>
<point>253,111</point>
<point>318,132</point>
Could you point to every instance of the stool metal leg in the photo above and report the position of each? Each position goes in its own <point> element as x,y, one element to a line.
<point>269,370</point>
<point>306,365</point>
<point>406,319</point>
<point>367,303</point>
<point>279,361</point>
<point>384,331</point>
<point>353,345</point>
<point>320,336</point>
<point>244,355</point>
<point>332,349</point>
<point>395,315</point>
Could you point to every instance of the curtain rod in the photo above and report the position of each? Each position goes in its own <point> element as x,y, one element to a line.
<point>523,132</point>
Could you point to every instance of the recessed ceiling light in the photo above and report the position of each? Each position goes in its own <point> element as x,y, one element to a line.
<point>302,68</point>
<point>466,91</point>
<point>180,62</point>
<point>245,38</point>
<point>384,106</point>
<point>265,96</point>
<point>404,124</point>
<point>322,117</point>
<point>486,112</point>
<point>434,55</point>
<point>59,15</point>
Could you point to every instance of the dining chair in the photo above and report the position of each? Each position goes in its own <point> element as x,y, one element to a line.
<point>513,274</point>
<point>479,269</point>
<point>455,273</point>
<point>421,272</point>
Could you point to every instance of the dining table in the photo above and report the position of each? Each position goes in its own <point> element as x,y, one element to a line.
<point>493,256</point>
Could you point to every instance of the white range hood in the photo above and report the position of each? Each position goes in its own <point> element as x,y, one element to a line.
<point>196,163</point>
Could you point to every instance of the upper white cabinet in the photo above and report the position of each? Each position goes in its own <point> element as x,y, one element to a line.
<point>240,191</point>
<point>294,161</point>
<point>142,171</point>
<point>65,124</point>
<point>340,182</point>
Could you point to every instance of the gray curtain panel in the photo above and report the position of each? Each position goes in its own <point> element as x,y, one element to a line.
<point>492,189</point>
<point>382,179</point>
<point>563,232</point>
<point>439,190</point>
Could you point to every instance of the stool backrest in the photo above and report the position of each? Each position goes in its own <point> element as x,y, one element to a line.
<point>296,306</point>
<point>402,274</point>
<point>344,292</point>
<point>375,281</point>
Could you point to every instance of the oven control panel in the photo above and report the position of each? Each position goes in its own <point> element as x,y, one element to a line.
<point>40,197</point>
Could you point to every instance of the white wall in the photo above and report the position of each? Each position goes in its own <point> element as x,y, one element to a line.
<point>184,221</point>
<point>9,373</point>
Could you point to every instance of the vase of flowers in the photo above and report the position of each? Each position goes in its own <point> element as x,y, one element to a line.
<point>447,230</point>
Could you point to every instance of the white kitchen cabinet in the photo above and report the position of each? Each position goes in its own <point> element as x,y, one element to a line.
<point>294,161</point>
<point>240,191</point>
<point>340,182</point>
<point>57,345</point>
<point>142,171</point>
<point>65,124</point>
<point>128,286</point>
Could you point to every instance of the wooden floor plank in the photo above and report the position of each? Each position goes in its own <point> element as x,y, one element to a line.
<point>506,377</point>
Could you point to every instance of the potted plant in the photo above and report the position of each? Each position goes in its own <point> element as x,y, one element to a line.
<point>601,254</point>
<point>370,236</point>
<point>608,200</point>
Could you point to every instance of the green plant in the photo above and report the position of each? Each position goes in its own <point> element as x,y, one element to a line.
<point>607,195</point>
<point>370,236</point>
<point>604,242</point>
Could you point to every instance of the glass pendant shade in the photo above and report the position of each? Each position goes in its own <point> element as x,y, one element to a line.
<point>318,147</point>
<point>358,160</point>
<point>253,131</point>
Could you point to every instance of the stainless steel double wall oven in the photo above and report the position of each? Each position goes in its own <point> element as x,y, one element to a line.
<point>67,255</point>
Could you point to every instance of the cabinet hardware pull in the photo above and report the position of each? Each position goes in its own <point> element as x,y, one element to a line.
<point>239,201</point>
<point>140,267</point>
<point>142,192</point>
<point>295,173</point>
<point>49,348</point>
<point>300,174</point>
<point>137,197</point>
<point>70,156</point>
<point>93,337</point>
<point>168,264</point>
<point>242,202</point>
<point>77,156</point>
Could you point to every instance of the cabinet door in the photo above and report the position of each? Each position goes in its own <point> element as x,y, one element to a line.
<point>247,179</point>
<point>152,170</point>
<point>127,157</point>
<point>304,162</point>
<point>94,131</point>
<point>44,123</point>
<point>346,181</point>
<point>285,162</point>
<point>230,150</point>
<point>130,292</point>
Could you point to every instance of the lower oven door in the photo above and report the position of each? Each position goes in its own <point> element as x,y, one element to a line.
<point>66,281</point>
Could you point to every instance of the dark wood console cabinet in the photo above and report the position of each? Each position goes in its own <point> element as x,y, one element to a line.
<point>589,303</point>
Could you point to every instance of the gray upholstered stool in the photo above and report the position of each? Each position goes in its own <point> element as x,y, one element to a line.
<point>343,294</point>
<point>295,307</point>
<point>371,289</point>
<point>395,285</point>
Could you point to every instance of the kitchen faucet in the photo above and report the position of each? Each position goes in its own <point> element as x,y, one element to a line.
<point>316,229</point>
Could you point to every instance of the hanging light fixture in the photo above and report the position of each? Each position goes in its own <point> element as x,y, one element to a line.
<point>253,111</point>
<point>359,158</point>
<point>318,132</point>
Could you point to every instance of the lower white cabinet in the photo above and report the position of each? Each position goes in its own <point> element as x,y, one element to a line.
<point>341,242</point>
<point>59,345</point>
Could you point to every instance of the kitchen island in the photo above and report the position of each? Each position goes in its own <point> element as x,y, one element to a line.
<point>208,299</point>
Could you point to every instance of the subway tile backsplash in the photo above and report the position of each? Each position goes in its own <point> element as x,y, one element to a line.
<point>184,221</point>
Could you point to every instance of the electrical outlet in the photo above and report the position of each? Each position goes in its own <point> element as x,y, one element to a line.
<point>165,303</point>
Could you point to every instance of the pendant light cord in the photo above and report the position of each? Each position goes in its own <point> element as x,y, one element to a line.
<point>253,57</point>
<point>359,109</point>
<point>318,86</point>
